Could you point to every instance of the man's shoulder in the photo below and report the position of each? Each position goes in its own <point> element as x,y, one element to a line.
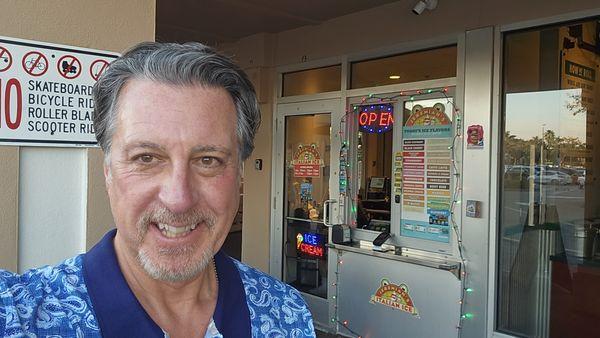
<point>46,275</point>
<point>46,300</point>
<point>34,285</point>
<point>275,307</point>
<point>257,281</point>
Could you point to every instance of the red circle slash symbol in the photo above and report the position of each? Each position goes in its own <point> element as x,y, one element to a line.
<point>69,67</point>
<point>5,59</point>
<point>97,68</point>
<point>35,63</point>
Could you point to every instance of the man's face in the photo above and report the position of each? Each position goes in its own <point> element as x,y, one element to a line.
<point>173,176</point>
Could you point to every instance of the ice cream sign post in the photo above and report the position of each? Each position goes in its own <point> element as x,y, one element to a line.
<point>45,92</point>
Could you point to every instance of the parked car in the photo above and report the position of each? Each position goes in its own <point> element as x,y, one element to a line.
<point>554,177</point>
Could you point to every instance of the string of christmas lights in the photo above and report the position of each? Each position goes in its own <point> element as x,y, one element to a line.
<point>335,318</point>
<point>456,195</point>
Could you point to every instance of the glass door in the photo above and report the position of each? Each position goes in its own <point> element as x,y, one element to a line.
<point>306,189</point>
<point>307,151</point>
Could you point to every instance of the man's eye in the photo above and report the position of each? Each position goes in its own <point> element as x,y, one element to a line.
<point>145,158</point>
<point>208,161</point>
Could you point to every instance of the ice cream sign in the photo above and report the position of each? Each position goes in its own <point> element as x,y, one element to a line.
<point>310,244</point>
<point>307,161</point>
<point>376,118</point>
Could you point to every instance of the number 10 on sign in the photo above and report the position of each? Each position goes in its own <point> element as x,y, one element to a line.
<point>9,92</point>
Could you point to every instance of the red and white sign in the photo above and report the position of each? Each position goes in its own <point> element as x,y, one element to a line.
<point>307,161</point>
<point>35,63</point>
<point>69,67</point>
<point>97,68</point>
<point>47,99</point>
<point>5,59</point>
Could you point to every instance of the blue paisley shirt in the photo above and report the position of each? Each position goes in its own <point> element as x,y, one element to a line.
<point>87,296</point>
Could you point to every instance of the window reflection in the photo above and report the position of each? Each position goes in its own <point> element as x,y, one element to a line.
<point>549,249</point>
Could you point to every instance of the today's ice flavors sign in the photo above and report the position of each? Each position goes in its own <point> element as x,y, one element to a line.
<point>427,171</point>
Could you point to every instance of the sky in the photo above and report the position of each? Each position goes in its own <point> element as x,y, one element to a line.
<point>527,114</point>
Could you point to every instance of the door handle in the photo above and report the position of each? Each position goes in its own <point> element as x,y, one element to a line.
<point>326,204</point>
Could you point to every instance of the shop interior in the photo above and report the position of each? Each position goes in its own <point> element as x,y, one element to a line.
<point>374,161</point>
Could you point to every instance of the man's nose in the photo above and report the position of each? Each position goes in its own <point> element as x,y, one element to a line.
<point>177,191</point>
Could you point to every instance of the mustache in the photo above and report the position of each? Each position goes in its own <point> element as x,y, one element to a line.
<point>166,216</point>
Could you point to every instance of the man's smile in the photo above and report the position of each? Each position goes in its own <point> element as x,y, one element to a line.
<point>175,231</point>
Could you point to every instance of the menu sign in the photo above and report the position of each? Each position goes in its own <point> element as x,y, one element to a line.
<point>426,174</point>
<point>307,161</point>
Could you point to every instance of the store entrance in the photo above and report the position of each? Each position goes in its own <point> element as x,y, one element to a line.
<point>304,210</point>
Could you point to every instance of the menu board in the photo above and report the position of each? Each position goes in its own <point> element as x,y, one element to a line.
<point>427,170</point>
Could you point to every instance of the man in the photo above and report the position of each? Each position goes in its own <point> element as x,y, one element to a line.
<point>175,123</point>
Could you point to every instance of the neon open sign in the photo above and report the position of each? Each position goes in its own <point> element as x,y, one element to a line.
<point>310,244</point>
<point>376,118</point>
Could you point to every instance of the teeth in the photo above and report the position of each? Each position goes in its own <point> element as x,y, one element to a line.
<point>173,232</point>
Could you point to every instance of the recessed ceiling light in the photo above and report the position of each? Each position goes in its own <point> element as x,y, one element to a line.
<point>395,77</point>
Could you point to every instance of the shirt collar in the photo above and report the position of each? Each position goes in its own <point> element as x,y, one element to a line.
<point>119,313</point>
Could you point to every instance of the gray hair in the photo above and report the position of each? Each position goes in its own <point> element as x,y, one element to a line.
<point>186,64</point>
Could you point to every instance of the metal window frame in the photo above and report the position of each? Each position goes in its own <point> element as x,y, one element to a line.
<point>497,101</point>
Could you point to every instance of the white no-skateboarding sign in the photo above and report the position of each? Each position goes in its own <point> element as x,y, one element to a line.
<point>45,92</point>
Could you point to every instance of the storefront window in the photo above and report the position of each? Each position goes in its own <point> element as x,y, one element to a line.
<point>307,153</point>
<point>312,81</point>
<point>423,65</point>
<point>549,242</point>
<point>403,166</point>
<point>374,155</point>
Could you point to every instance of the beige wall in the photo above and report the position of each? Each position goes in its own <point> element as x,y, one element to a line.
<point>255,55</point>
<point>9,185</point>
<point>383,28</point>
<point>257,212</point>
<point>98,216</point>
<point>107,25</point>
<point>389,25</point>
<point>394,23</point>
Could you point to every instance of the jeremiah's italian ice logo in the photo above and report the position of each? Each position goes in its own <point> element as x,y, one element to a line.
<point>395,296</point>
<point>428,116</point>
